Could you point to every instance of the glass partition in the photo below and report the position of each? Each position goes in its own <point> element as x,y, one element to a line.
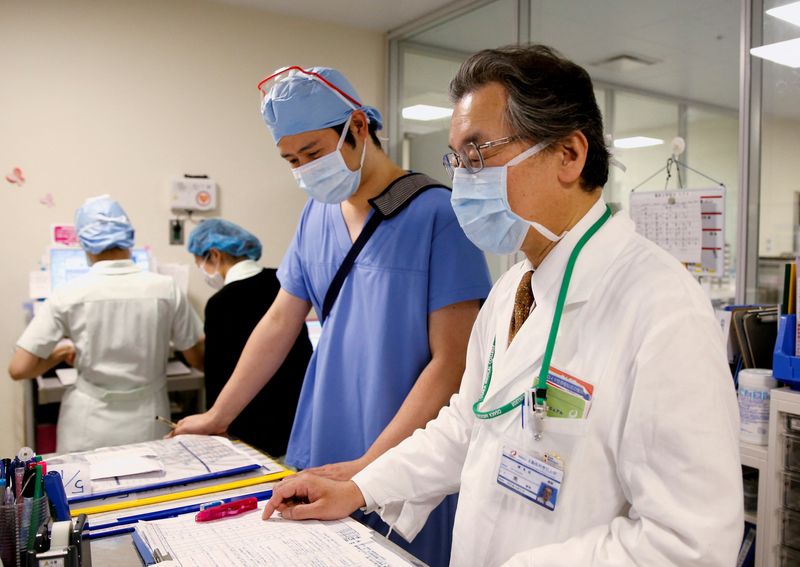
<point>779,212</point>
<point>429,59</point>
<point>660,71</point>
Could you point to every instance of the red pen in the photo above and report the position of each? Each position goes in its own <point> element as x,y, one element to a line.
<point>228,509</point>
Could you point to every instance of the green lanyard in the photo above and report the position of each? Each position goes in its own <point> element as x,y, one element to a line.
<point>541,383</point>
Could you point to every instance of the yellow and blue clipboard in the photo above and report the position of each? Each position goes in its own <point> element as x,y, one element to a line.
<point>180,495</point>
<point>160,485</point>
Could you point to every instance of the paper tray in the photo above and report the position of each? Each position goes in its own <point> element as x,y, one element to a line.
<point>786,366</point>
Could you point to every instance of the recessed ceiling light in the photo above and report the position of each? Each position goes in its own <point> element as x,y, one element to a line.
<point>789,13</point>
<point>426,112</point>
<point>784,52</point>
<point>637,142</point>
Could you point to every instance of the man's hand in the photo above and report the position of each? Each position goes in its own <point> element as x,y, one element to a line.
<point>339,471</point>
<point>309,497</point>
<point>201,424</point>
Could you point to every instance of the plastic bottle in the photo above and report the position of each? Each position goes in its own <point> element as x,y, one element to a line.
<point>754,387</point>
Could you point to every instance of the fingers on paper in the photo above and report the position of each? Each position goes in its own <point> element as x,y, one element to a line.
<point>286,494</point>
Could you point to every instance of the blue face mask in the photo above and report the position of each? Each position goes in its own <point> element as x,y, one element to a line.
<point>328,179</point>
<point>480,201</point>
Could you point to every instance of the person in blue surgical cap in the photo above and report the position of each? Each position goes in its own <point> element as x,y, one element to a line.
<point>120,320</point>
<point>393,345</point>
<point>227,255</point>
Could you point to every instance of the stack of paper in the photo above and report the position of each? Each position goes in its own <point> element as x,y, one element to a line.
<point>183,459</point>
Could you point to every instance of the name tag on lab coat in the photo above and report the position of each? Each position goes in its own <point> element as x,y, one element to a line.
<point>533,476</point>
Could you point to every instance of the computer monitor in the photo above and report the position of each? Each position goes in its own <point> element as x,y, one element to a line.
<point>66,264</point>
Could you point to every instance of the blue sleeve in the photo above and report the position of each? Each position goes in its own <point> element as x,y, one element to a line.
<point>458,269</point>
<point>291,273</point>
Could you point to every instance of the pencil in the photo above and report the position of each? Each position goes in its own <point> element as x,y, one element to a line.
<point>172,424</point>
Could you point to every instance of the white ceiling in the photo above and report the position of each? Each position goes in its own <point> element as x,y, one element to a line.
<point>375,15</point>
<point>695,42</point>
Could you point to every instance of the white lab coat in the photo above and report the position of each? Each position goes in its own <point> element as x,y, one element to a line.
<point>121,320</point>
<point>652,475</point>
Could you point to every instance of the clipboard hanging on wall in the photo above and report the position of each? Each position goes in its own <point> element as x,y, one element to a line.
<point>689,223</point>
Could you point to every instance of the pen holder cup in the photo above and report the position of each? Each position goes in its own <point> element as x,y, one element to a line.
<point>16,523</point>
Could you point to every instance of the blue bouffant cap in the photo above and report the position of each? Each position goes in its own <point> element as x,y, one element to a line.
<point>226,237</point>
<point>101,224</point>
<point>303,101</point>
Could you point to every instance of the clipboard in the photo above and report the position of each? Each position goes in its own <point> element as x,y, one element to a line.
<point>761,332</point>
<point>170,497</point>
<point>738,332</point>
<point>159,485</point>
<point>144,551</point>
<point>754,329</point>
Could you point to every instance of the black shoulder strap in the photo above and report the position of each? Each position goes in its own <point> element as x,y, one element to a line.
<point>394,199</point>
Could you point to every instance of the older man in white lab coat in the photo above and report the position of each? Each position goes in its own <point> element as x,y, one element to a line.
<point>624,450</point>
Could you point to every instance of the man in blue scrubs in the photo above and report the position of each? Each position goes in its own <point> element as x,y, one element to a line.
<point>393,348</point>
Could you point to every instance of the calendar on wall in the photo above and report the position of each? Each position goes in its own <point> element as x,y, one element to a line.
<point>687,223</point>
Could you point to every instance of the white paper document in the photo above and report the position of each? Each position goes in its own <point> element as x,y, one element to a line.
<point>133,462</point>
<point>67,376</point>
<point>712,214</point>
<point>672,220</point>
<point>248,540</point>
<point>183,457</point>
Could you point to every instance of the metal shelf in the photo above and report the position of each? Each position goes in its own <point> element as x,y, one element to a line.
<point>754,456</point>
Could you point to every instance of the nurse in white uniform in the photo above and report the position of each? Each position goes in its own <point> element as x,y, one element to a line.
<point>624,449</point>
<point>121,321</point>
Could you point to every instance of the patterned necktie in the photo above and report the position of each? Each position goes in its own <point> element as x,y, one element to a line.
<point>523,302</point>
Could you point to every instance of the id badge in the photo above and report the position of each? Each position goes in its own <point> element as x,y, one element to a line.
<point>531,475</point>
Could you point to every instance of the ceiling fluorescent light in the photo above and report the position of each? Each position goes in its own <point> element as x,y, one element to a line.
<point>788,13</point>
<point>783,53</point>
<point>637,142</point>
<point>426,112</point>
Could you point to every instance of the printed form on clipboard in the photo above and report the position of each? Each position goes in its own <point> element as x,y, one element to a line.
<point>248,540</point>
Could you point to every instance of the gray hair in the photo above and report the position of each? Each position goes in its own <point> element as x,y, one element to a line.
<point>549,98</point>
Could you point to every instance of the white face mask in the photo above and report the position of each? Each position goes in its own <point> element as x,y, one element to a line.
<point>480,201</point>
<point>328,179</point>
<point>215,280</point>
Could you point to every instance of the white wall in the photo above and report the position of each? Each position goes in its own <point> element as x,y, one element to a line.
<point>118,97</point>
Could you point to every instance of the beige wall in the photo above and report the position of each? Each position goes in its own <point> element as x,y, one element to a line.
<point>121,96</point>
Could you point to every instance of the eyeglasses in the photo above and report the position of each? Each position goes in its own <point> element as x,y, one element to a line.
<point>470,156</point>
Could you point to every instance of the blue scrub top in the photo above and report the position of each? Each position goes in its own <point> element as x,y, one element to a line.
<point>374,344</point>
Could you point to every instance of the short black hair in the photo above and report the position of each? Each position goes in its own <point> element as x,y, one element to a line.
<point>372,128</point>
<point>549,98</point>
